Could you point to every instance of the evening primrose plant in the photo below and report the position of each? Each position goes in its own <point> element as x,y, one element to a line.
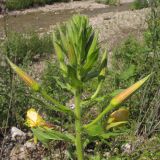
<point>77,49</point>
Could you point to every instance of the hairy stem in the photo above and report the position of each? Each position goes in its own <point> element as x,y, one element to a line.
<point>78,126</point>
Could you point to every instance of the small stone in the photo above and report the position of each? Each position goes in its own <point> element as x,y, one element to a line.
<point>71,103</point>
<point>15,132</point>
<point>107,154</point>
<point>29,134</point>
<point>126,148</point>
<point>30,145</point>
<point>19,152</point>
<point>107,18</point>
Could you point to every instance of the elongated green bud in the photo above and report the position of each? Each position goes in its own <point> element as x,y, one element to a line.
<point>128,92</point>
<point>26,78</point>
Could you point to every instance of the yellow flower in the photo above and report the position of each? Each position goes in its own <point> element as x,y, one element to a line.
<point>34,119</point>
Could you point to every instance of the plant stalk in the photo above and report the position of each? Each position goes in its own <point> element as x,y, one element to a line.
<point>78,126</point>
<point>100,116</point>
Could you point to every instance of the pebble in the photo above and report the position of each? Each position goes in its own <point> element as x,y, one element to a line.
<point>30,145</point>
<point>126,148</point>
<point>16,133</point>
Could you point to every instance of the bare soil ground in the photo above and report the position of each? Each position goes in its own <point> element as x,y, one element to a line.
<point>116,26</point>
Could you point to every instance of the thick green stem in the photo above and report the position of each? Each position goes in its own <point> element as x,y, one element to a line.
<point>78,126</point>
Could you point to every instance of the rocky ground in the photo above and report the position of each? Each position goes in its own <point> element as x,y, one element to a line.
<point>116,26</point>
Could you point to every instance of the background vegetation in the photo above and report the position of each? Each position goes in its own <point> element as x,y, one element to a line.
<point>109,2</point>
<point>21,4</point>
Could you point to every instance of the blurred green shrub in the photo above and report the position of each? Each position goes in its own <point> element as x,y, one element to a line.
<point>130,52</point>
<point>21,4</point>
<point>27,46</point>
<point>18,4</point>
<point>110,2</point>
<point>139,4</point>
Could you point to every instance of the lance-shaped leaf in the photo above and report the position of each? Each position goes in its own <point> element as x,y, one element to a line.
<point>72,76</point>
<point>103,61</point>
<point>115,124</point>
<point>71,54</point>
<point>101,76</point>
<point>59,51</point>
<point>128,92</point>
<point>92,56</point>
<point>100,79</point>
<point>46,135</point>
<point>26,78</point>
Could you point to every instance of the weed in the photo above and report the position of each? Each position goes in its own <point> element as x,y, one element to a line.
<point>25,47</point>
<point>78,56</point>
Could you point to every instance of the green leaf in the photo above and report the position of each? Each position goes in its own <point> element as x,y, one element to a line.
<point>90,61</point>
<point>103,61</point>
<point>93,46</point>
<point>72,76</point>
<point>46,135</point>
<point>109,135</point>
<point>95,130</point>
<point>90,75</point>
<point>71,55</point>
<point>115,124</point>
<point>129,72</point>
<point>59,51</point>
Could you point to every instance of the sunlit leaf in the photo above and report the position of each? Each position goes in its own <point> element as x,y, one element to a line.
<point>95,130</point>
<point>46,135</point>
<point>112,125</point>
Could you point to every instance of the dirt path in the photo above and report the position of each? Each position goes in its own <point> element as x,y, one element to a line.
<point>116,26</point>
<point>80,5</point>
<point>42,18</point>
